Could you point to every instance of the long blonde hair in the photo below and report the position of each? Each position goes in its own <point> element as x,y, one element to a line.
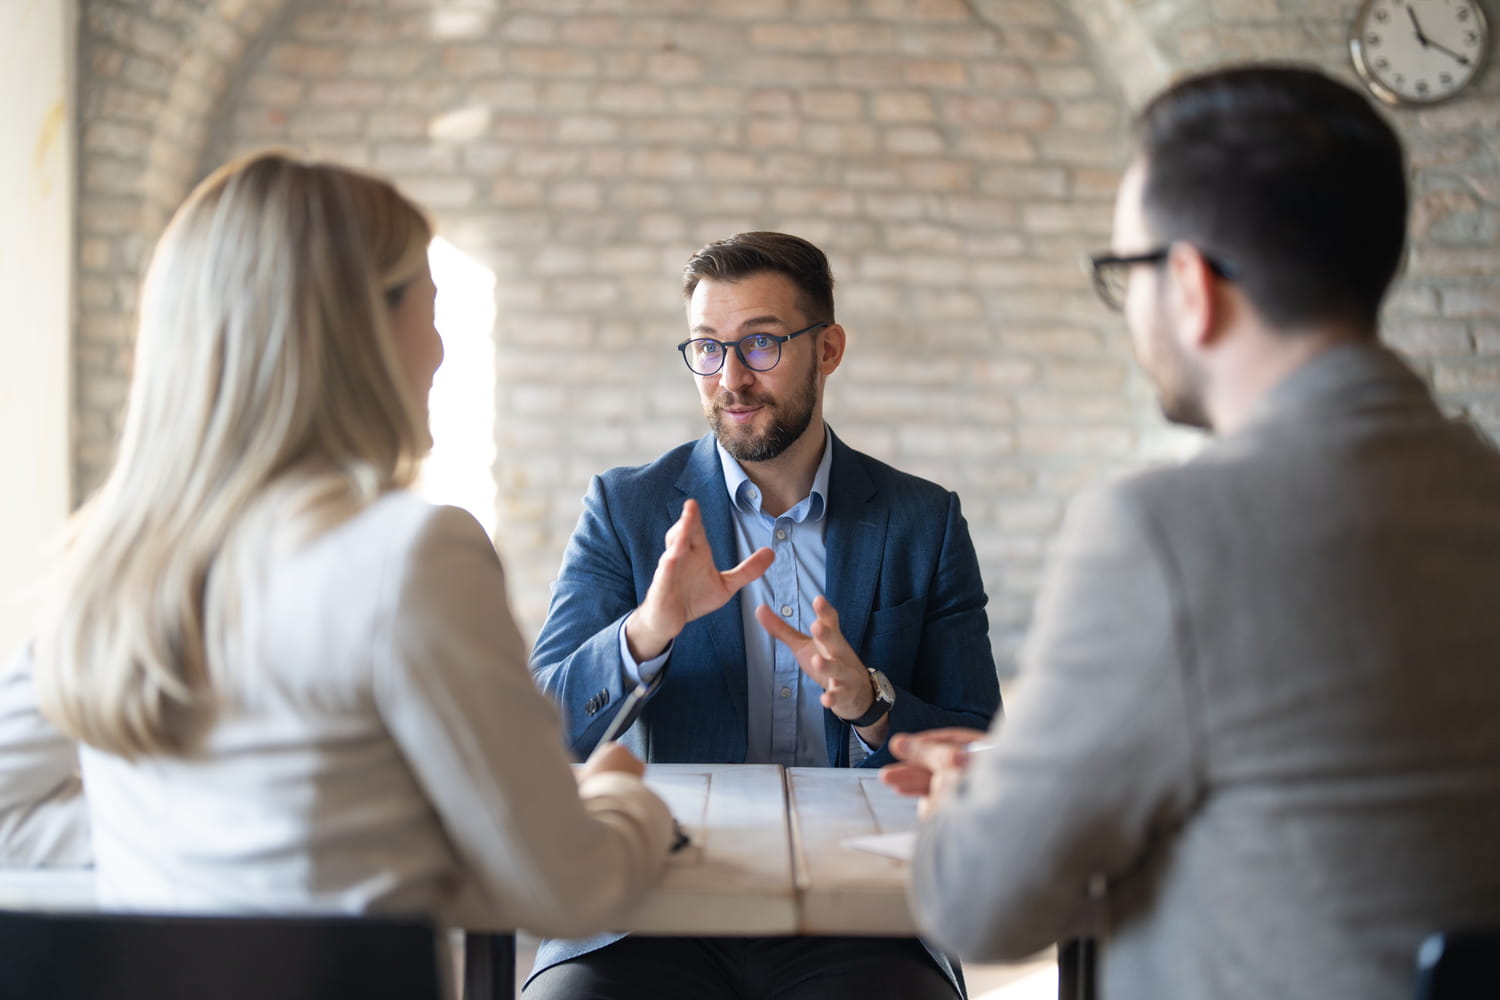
<point>267,400</point>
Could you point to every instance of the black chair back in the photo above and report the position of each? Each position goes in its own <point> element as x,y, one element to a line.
<point>1077,969</point>
<point>1459,965</point>
<point>115,956</point>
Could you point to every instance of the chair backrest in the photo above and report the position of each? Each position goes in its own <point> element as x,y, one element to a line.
<point>114,956</point>
<point>1077,969</point>
<point>1459,965</point>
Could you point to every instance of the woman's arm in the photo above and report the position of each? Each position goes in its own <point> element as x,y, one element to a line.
<point>452,684</point>
<point>43,817</point>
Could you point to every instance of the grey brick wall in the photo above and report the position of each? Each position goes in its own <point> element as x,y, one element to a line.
<point>954,158</point>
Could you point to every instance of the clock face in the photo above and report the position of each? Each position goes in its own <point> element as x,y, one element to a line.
<point>1418,51</point>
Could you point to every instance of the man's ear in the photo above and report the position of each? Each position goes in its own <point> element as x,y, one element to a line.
<point>831,341</point>
<point>1194,290</point>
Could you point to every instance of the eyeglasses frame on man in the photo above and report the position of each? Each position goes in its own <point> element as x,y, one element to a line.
<point>1100,263</point>
<point>724,345</point>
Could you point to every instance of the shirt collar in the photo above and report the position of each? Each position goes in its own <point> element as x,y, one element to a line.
<point>746,496</point>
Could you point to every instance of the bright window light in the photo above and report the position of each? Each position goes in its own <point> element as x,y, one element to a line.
<point>460,470</point>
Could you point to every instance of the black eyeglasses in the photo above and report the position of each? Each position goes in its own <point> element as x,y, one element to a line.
<point>759,352</point>
<point>1111,272</point>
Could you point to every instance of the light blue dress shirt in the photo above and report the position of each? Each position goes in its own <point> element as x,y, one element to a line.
<point>785,716</point>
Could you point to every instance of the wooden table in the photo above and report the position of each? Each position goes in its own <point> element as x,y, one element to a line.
<point>769,853</point>
<point>769,856</point>
<point>843,890</point>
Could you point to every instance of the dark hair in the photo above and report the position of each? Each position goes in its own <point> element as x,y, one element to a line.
<point>744,254</point>
<point>1286,176</point>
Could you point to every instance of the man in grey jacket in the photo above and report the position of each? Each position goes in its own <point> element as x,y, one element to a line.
<point>1254,747</point>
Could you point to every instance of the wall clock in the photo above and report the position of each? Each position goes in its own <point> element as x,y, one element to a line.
<point>1418,52</point>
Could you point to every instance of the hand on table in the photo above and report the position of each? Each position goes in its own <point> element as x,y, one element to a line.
<point>929,763</point>
<point>831,662</point>
<point>610,758</point>
<point>615,759</point>
<point>686,585</point>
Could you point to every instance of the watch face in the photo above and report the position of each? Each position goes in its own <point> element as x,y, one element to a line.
<point>1418,51</point>
<point>883,689</point>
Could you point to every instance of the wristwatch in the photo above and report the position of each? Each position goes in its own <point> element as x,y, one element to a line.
<point>885,697</point>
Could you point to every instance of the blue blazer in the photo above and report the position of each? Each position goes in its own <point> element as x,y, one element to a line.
<point>902,574</point>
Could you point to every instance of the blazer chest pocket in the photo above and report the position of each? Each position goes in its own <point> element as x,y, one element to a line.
<point>895,635</point>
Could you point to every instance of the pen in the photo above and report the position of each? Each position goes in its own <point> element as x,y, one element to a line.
<point>630,708</point>
<point>625,716</point>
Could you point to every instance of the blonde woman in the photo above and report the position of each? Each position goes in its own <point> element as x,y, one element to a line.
<point>286,680</point>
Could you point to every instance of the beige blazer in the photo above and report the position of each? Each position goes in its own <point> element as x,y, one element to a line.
<point>381,747</point>
<point>1261,698</point>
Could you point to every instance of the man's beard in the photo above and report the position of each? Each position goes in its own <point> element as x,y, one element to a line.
<point>788,423</point>
<point>1178,381</point>
<point>1184,408</point>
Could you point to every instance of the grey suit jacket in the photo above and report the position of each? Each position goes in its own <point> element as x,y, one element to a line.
<point>1260,698</point>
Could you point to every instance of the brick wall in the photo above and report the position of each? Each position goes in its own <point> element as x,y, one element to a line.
<point>150,80</point>
<point>1444,314</point>
<point>954,158</point>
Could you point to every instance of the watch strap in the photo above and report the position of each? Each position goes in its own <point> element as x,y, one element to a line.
<point>876,711</point>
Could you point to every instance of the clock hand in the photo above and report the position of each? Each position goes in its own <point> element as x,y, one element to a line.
<point>1417,25</point>
<point>1428,43</point>
<point>1461,59</point>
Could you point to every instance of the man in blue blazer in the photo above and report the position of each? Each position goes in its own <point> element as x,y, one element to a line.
<point>862,614</point>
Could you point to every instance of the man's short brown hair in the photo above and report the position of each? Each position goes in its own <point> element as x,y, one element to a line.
<point>743,254</point>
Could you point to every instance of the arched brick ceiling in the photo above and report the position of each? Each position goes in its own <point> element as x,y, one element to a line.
<point>150,80</point>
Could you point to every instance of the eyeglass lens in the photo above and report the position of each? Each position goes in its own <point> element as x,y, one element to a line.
<point>1111,280</point>
<point>759,352</point>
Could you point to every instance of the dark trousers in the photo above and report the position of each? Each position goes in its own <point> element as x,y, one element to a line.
<point>778,968</point>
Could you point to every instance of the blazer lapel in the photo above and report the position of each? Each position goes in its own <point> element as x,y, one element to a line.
<point>703,480</point>
<point>854,538</point>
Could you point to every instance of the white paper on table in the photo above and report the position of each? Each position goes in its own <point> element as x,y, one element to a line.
<point>887,845</point>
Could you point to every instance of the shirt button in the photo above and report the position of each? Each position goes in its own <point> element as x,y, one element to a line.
<point>786,692</point>
<point>781,534</point>
<point>786,611</point>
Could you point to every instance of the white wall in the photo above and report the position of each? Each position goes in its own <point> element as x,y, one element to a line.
<point>37,45</point>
